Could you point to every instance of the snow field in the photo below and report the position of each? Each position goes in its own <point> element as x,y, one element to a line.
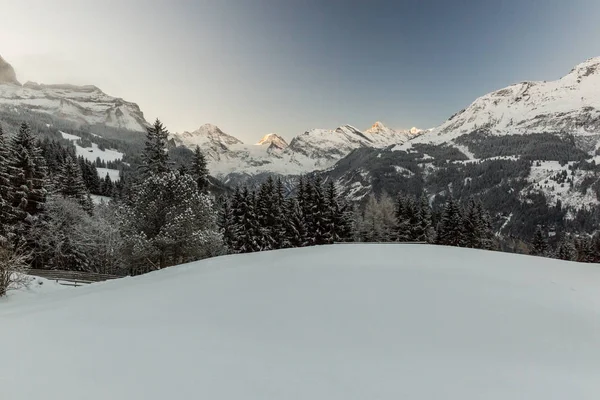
<point>332,322</point>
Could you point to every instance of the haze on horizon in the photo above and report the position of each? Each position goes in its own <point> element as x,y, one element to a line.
<point>268,66</point>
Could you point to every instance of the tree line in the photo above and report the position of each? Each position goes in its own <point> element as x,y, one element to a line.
<point>268,219</point>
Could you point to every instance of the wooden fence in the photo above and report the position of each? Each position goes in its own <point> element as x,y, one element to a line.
<point>71,278</point>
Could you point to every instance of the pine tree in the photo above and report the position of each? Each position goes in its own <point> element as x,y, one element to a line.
<point>566,249</point>
<point>107,187</point>
<point>28,173</point>
<point>539,245</point>
<point>248,226</point>
<point>296,234</point>
<point>319,214</point>
<point>155,158</point>
<point>6,211</point>
<point>266,214</point>
<point>450,230</point>
<point>403,229</point>
<point>423,231</point>
<point>199,170</point>
<point>168,222</point>
<point>226,223</point>
<point>72,186</point>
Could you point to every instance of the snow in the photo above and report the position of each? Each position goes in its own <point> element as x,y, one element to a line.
<point>92,153</point>
<point>37,286</point>
<point>113,173</point>
<point>97,199</point>
<point>333,322</point>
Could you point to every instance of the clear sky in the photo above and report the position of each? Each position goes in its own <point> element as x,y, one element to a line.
<point>258,66</point>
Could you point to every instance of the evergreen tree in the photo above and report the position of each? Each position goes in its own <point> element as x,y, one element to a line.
<point>403,228</point>
<point>27,169</point>
<point>168,222</point>
<point>107,187</point>
<point>566,249</point>
<point>296,234</point>
<point>226,224</point>
<point>539,245</point>
<point>70,182</point>
<point>319,214</point>
<point>199,170</point>
<point>6,211</point>
<point>266,214</point>
<point>155,158</point>
<point>248,226</point>
<point>424,230</point>
<point>450,229</point>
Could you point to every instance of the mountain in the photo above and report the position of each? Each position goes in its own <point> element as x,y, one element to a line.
<point>568,105</point>
<point>83,105</point>
<point>7,73</point>
<point>312,150</point>
<point>384,136</point>
<point>530,152</point>
<point>274,141</point>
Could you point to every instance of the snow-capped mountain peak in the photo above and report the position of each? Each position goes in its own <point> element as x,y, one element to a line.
<point>273,140</point>
<point>570,104</point>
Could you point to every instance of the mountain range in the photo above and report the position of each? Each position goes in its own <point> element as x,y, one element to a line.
<point>511,147</point>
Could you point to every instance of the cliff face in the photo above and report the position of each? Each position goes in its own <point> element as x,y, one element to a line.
<point>7,73</point>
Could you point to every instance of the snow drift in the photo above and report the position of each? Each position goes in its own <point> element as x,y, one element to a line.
<point>332,322</point>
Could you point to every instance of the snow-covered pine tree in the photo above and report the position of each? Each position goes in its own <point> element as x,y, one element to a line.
<point>89,173</point>
<point>424,231</point>
<point>387,228</point>
<point>486,232</point>
<point>27,169</point>
<point>403,229</point>
<point>371,222</point>
<point>583,249</point>
<point>320,231</point>
<point>168,222</point>
<point>539,244</point>
<point>450,230</point>
<point>199,170</point>
<point>155,158</point>
<point>226,223</point>
<point>471,226</point>
<point>266,214</point>
<point>307,205</point>
<point>296,234</point>
<point>334,215</point>
<point>279,229</point>
<point>566,249</point>
<point>71,185</point>
<point>248,230</point>
<point>6,212</point>
<point>107,186</point>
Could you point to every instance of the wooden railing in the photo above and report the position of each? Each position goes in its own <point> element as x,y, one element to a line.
<point>71,278</point>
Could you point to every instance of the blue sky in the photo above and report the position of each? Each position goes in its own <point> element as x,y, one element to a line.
<point>260,66</point>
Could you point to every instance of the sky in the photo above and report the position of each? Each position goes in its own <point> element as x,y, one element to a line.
<point>254,67</point>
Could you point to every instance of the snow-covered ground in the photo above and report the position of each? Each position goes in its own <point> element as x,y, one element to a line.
<point>92,153</point>
<point>332,322</point>
<point>37,286</point>
<point>113,173</point>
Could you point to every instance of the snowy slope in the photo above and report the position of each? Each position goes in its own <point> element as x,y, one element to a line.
<point>94,152</point>
<point>312,150</point>
<point>336,322</point>
<point>570,104</point>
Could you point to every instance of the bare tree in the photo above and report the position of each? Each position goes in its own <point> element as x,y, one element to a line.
<point>13,270</point>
